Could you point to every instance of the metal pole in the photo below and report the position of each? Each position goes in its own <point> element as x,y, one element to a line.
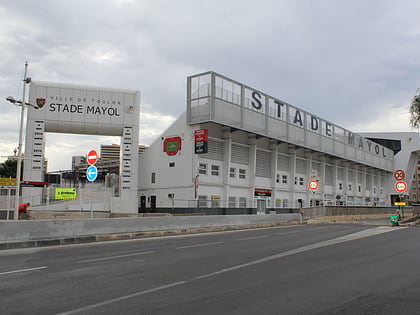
<point>91,200</point>
<point>19,158</point>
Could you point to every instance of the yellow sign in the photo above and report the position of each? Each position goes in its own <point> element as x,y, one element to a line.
<point>400,203</point>
<point>8,182</point>
<point>215,198</point>
<point>65,193</point>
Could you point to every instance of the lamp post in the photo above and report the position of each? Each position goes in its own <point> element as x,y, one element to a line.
<point>22,103</point>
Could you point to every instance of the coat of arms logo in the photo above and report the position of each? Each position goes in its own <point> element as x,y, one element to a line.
<point>40,102</point>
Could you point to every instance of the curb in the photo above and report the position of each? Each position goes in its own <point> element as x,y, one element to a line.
<point>131,235</point>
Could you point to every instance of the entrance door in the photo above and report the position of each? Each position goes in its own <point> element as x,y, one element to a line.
<point>153,204</point>
<point>261,206</point>
<point>142,204</point>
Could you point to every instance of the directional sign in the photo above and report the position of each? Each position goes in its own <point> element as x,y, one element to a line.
<point>91,173</point>
<point>400,186</point>
<point>313,184</point>
<point>92,157</point>
<point>399,174</point>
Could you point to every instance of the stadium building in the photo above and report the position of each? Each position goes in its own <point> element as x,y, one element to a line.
<point>239,150</point>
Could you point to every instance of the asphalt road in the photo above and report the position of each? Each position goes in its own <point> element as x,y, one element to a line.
<point>304,269</point>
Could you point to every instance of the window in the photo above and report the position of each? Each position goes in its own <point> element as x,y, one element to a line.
<point>232,202</point>
<point>301,181</point>
<point>202,201</point>
<point>202,169</point>
<point>285,203</point>
<point>349,187</point>
<point>153,177</point>
<point>232,172</point>
<point>242,173</point>
<point>215,170</point>
<point>359,188</point>
<point>172,164</point>
<point>242,202</point>
<point>340,186</point>
<point>278,178</point>
<point>284,179</point>
<point>278,203</point>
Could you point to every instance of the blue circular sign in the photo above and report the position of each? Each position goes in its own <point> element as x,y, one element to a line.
<point>91,173</point>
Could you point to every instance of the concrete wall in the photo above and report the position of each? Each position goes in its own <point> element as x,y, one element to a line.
<point>343,210</point>
<point>13,231</point>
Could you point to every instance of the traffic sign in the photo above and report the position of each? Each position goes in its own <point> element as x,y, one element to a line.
<point>92,157</point>
<point>401,186</point>
<point>91,173</point>
<point>313,184</point>
<point>399,174</point>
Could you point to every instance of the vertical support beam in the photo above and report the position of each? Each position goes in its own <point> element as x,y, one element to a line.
<point>227,153</point>
<point>252,141</point>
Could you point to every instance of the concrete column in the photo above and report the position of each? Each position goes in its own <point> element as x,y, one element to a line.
<point>322,177</point>
<point>252,141</point>
<point>274,153</point>
<point>292,165</point>
<point>227,153</point>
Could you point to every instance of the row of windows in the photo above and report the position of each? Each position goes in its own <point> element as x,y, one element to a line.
<point>215,171</point>
<point>234,202</point>
<point>215,201</point>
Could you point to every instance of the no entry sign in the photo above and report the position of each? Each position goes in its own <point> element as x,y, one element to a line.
<point>92,157</point>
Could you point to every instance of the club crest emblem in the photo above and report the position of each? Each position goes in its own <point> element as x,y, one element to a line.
<point>40,102</point>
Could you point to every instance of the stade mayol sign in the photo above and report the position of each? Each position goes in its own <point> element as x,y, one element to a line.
<point>299,118</point>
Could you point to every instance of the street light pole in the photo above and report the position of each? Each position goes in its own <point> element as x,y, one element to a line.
<point>19,159</point>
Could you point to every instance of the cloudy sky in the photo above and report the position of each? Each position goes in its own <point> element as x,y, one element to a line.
<point>355,63</point>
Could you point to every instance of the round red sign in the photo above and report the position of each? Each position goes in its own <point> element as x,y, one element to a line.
<point>400,186</point>
<point>313,184</point>
<point>92,157</point>
<point>399,174</point>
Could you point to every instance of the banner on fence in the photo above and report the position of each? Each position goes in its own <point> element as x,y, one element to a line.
<point>65,193</point>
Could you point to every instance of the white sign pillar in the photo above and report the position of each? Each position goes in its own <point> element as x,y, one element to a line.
<point>74,109</point>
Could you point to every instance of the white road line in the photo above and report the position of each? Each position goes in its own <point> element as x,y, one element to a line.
<point>342,239</point>
<point>122,298</point>
<point>199,245</point>
<point>251,238</point>
<point>22,270</point>
<point>114,257</point>
<point>320,228</point>
<point>289,232</point>
<point>345,238</point>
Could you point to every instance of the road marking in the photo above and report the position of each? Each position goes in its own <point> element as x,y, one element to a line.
<point>199,245</point>
<point>122,298</point>
<point>22,270</point>
<point>251,238</point>
<point>114,257</point>
<point>320,228</point>
<point>342,239</point>
<point>345,238</point>
<point>289,232</point>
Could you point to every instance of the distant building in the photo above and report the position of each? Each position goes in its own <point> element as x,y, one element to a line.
<point>112,151</point>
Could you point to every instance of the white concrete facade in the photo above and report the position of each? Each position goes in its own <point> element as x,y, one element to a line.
<point>67,108</point>
<point>261,154</point>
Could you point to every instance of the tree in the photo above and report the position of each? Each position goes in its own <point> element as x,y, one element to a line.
<point>414,110</point>
<point>8,169</point>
